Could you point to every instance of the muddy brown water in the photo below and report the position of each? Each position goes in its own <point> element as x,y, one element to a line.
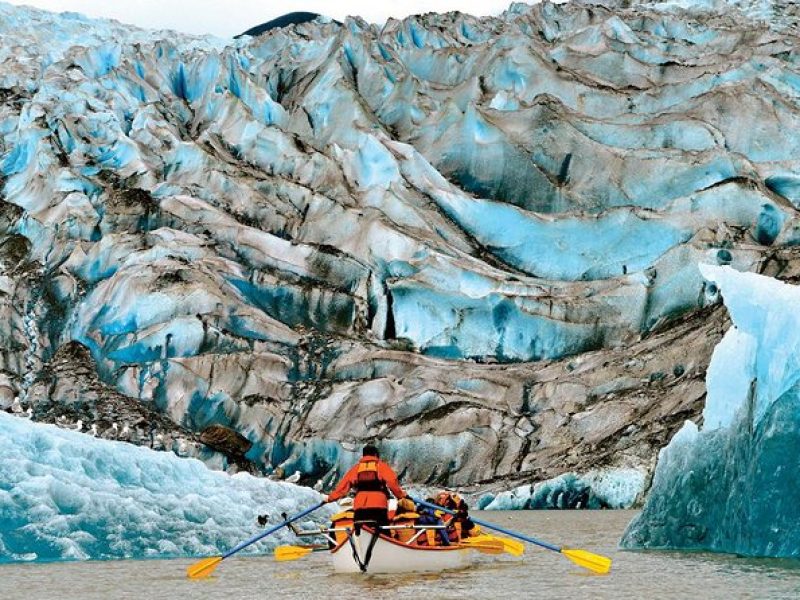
<point>539,574</point>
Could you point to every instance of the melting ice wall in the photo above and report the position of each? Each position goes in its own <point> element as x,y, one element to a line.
<point>612,488</point>
<point>732,484</point>
<point>66,495</point>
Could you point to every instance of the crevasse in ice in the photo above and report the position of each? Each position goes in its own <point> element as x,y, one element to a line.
<point>731,485</point>
<point>66,495</point>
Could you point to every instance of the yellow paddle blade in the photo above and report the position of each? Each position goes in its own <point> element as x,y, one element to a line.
<point>588,560</point>
<point>203,568</point>
<point>291,552</point>
<point>484,546</point>
<point>513,547</point>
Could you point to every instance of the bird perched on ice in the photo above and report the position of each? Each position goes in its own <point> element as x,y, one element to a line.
<point>28,414</point>
<point>16,406</point>
<point>78,425</point>
<point>112,433</point>
<point>293,478</point>
<point>125,434</point>
<point>93,430</point>
<point>61,422</point>
<point>138,435</point>
<point>183,447</point>
<point>318,485</point>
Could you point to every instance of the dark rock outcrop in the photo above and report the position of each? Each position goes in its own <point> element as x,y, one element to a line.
<point>292,18</point>
<point>225,440</point>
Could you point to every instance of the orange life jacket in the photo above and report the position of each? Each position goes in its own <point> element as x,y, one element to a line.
<point>451,501</point>
<point>448,500</point>
<point>368,479</point>
<point>371,490</point>
<point>373,480</point>
<point>339,521</point>
<point>404,518</point>
<point>455,533</point>
<point>428,538</point>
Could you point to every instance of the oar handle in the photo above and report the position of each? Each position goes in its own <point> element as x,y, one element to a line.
<point>508,532</point>
<point>264,534</point>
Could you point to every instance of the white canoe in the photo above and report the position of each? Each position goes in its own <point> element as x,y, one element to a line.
<point>391,556</point>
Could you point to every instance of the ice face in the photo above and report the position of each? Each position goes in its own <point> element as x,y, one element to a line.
<point>613,488</point>
<point>316,236</point>
<point>64,495</point>
<point>730,486</point>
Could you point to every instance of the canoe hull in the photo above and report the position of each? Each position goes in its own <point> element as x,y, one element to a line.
<point>390,556</point>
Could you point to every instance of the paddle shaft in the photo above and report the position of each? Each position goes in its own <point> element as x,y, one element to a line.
<point>508,532</point>
<point>271,530</point>
<point>313,532</point>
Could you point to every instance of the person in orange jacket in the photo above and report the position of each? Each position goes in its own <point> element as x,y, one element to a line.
<point>372,480</point>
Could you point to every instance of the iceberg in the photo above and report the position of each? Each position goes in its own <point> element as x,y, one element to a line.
<point>68,496</point>
<point>612,488</point>
<point>730,485</point>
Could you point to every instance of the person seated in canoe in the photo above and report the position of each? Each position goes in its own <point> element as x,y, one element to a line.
<point>464,526</point>
<point>459,525</point>
<point>405,516</point>
<point>431,537</point>
<point>373,480</point>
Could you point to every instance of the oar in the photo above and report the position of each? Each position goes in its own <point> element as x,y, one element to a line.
<point>284,553</point>
<point>205,567</point>
<point>583,558</point>
<point>484,546</point>
<point>513,547</point>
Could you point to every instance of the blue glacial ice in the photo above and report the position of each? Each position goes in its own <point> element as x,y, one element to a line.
<point>571,248</point>
<point>65,495</point>
<point>609,488</point>
<point>730,485</point>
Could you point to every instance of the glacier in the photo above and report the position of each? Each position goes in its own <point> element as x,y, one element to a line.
<point>730,485</point>
<point>613,488</point>
<point>67,496</point>
<point>473,240</point>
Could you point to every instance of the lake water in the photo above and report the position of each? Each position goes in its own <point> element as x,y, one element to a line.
<point>539,574</point>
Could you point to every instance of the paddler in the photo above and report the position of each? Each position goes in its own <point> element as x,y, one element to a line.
<point>428,516</point>
<point>372,479</point>
<point>405,518</point>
